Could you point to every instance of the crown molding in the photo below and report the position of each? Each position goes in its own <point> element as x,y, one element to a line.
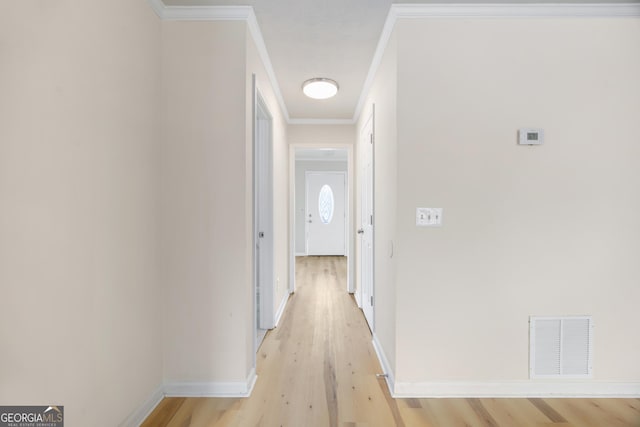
<point>256,34</point>
<point>157,6</point>
<point>387,30</point>
<point>487,10</point>
<point>517,10</point>
<point>201,13</point>
<point>207,13</point>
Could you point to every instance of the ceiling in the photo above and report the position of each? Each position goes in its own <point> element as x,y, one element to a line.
<point>326,38</point>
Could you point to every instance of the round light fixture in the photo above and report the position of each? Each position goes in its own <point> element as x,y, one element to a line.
<point>320,88</point>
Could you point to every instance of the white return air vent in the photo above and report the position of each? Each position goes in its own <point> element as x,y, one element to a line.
<point>560,347</point>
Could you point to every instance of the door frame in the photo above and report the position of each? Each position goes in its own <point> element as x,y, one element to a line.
<point>261,113</point>
<point>346,205</point>
<point>350,209</point>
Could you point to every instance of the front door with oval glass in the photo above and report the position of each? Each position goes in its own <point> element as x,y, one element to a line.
<point>325,214</point>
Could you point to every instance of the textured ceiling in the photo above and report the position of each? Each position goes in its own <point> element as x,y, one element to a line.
<point>327,38</point>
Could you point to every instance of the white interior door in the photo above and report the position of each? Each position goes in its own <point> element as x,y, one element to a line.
<point>264,234</point>
<point>325,214</point>
<point>366,222</point>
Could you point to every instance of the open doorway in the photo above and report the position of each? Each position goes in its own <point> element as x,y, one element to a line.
<point>322,206</point>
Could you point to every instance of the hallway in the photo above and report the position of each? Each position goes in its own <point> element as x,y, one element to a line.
<point>317,369</point>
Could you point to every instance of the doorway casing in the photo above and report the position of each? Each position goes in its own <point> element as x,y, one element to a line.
<point>350,209</point>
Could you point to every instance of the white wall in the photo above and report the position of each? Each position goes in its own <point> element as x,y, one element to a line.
<point>302,167</point>
<point>548,230</point>
<point>79,313</point>
<point>383,94</point>
<point>206,264</point>
<point>329,136</point>
<point>207,202</point>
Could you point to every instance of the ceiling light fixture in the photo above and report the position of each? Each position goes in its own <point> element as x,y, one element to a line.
<point>320,88</point>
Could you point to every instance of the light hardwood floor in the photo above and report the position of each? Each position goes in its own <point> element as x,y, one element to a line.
<point>318,369</point>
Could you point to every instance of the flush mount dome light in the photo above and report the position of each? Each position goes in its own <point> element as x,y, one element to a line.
<point>320,88</point>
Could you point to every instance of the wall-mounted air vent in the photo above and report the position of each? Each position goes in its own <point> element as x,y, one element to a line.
<point>560,347</point>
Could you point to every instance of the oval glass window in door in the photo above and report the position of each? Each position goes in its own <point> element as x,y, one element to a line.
<point>325,204</point>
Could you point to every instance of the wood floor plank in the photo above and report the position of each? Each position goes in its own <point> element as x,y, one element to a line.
<point>392,403</point>
<point>587,413</point>
<point>415,417</point>
<point>451,413</point>
<point>164,412</point>
<point>515,412</point>
<point>318,369</point>
<point>547,410</point>
<point>482,412</point>
<point>627,410</point>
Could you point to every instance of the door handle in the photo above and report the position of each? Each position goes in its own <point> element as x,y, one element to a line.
<point>361,231</point>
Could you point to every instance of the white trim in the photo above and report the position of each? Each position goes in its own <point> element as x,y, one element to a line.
<point>207,13</point>
<point>556,388</point>
<point>485,10</point>
<point>138,416</point>
<point>254,29</point>
<point>387,30</point>
<point>517,10</point>
<point>384,363</point>
<point>292,219</point>
<point>212,389</point>
<point>158,7</point>
<point>358,298</point>
<point>321,121</point>
<point>254,221</point>
<point>280,311</point>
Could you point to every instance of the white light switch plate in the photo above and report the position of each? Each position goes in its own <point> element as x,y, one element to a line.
<point>429,217</point>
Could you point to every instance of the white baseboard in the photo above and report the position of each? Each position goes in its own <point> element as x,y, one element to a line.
<point>534,388</point>
<point>212,389</point>
<point>138,416</point>
<point>301,254</point>
<point>384,362</point>
<point>280,311</point>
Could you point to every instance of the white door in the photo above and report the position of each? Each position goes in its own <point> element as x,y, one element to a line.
<point>366,221</point>
<point>325,214</point>
<point>264,234</point>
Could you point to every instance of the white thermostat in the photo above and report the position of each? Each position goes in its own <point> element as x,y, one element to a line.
<point>530,137</point>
